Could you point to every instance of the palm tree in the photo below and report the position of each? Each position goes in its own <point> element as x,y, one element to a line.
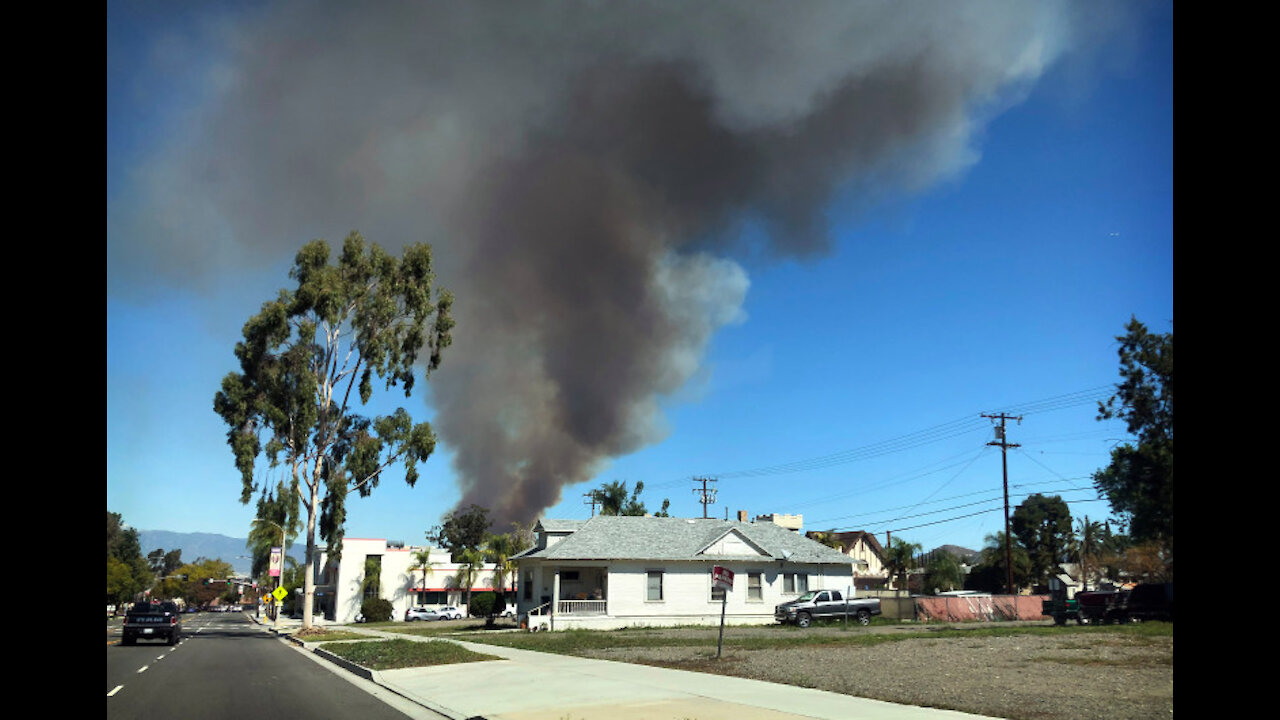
<point>899,557</point>
<point>943,572</point>
<point>1087,546</point>
<point>422,559</point>
<point>470,562</point>
<point>499,549</point>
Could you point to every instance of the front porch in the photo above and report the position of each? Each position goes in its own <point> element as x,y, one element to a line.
<point>569,593</point>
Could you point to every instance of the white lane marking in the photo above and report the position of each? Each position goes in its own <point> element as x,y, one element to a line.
<point>115,690</point>
<point>143,669</point>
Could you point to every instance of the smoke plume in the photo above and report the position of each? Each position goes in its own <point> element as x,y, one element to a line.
<point>584,171</point>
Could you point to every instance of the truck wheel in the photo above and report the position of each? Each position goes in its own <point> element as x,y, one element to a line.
<point>864,617</point>
<point>803,620</point>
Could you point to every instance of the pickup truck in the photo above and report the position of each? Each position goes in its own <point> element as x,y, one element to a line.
<point>825,604</point>
<point>1147,601</point>
<point>152,621</point>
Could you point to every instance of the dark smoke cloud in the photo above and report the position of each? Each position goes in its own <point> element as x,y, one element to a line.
<point>583,170</point>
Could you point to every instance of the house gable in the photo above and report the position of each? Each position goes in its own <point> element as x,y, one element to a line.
<point>732,543</point>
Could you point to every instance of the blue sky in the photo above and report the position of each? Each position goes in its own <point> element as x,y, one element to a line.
<point>850,383</point>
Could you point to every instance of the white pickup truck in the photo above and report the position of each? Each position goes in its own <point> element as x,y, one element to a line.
<point>826,604</point>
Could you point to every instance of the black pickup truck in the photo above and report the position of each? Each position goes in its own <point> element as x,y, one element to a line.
<point>153,621</point>
<point>1147,601</point>
<point>825,604</point>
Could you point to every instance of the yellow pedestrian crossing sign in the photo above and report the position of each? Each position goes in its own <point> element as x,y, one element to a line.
<point>280,593</point>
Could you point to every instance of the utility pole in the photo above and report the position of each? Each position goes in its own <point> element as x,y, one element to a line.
<point>707,496</point>
<point>1004,462</point>
<point>590,499</point>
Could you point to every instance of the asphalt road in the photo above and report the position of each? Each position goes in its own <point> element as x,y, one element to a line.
<point>228,667</point>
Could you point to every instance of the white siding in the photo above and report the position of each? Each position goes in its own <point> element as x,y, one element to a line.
<point>686,593</point>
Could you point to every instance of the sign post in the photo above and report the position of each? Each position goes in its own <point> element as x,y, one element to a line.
<point>723,579</point>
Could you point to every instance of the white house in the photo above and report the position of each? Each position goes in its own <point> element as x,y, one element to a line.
<point>611,572</point>
<point>340,586</point>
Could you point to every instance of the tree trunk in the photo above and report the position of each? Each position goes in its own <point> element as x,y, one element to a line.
<point>308,577</point>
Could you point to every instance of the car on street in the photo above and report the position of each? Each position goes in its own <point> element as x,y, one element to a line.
<point>152,621</point>
<point>451,613</point>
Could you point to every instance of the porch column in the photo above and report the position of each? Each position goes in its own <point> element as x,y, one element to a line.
<point>555,596</point>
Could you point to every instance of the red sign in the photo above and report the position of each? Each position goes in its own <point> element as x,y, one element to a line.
<point>722,577</point>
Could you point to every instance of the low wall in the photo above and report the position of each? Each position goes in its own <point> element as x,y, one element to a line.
<point>963,608</point>
<point>995,607</point>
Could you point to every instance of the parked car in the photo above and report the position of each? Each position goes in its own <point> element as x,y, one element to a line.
<point>419,613</point>
<point>450,613</point>
<point>508,612</point>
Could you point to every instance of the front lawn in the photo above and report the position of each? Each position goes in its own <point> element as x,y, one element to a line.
<point>393,654</point>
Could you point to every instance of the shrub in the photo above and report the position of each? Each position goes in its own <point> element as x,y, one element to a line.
<point>376,610</point>
<point>482,604</point>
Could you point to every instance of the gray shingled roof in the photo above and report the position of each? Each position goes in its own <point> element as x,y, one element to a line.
<point>656,538</point>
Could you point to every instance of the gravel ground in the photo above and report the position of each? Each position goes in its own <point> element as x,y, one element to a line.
<point>1023,677</point>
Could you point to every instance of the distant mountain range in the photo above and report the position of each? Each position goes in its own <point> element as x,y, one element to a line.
<point>207,545</point>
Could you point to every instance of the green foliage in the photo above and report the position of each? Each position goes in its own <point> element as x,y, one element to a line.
<point>943,573</point>
<point>499,549</point>
<point>462,530</point>
<point>164,563</point>
<point>372,575</point>
<point>275,525</point>
<point>470,561</point>
<point>128,573</point>
<point>205,581</point>
<point>482,604</point>
<point>376,610</point>
<point>1042,525</point>
<point>898,559</point>
<point>613,499</point>
<point>1138,483</point>
<point>308,354</point>
<point>989,574</point>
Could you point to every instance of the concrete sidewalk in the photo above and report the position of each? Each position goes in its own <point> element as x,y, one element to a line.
<point>526,685</point>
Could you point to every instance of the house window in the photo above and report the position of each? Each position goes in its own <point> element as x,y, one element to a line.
<point>755,589</point>
<point>653,590</point>
<point>797,583</point>
<point>528,585</point>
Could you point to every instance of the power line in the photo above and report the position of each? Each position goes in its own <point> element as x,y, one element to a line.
<point>927,436</point>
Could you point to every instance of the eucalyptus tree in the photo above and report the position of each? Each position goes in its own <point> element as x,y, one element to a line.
<point>312,352</point>
<point>275,525</point>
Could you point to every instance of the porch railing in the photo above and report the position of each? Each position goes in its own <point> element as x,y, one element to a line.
<point>582,607</point>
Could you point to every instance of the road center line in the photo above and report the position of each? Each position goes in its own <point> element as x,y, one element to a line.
<point>143,669</point>
<point>115,690</point>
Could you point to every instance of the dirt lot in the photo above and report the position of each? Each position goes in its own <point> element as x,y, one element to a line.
<point>1066,674</point>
